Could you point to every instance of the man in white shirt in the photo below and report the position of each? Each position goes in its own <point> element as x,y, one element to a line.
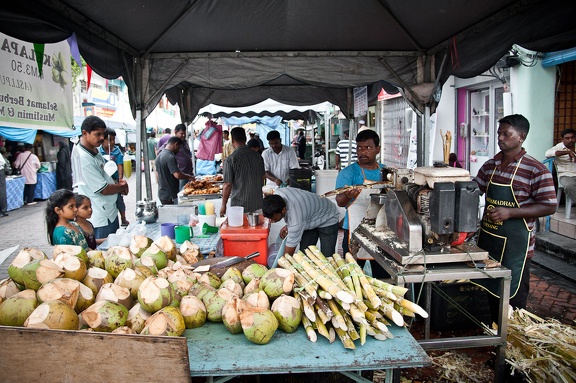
<point>278,160</point>
<point>345,152</point>
<point>91,180</point>
<point>565,161</point>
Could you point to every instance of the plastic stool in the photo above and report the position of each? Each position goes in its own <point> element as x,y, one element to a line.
<point>568,209</point>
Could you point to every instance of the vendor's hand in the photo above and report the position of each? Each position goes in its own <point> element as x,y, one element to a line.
<point>278,182</point>
<point>284,232</point>
<point>122,181</point>
<point>223,211</point>
<point>498,214</point>
<point>352,193</point>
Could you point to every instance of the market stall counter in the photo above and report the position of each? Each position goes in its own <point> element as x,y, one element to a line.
<point>15,192</point>
<point>46,185</point>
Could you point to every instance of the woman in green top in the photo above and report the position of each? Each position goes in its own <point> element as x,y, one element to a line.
<point>60,214</point>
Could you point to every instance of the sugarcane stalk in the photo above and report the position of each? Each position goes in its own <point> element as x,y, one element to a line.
<point>345,338</point>
<point>374,321</point>
<point>362,331</point>
<point>323,306</point>
<point>355,282</point>
<point>323,294</point>
<point>321,315</point>
<point>337,320</point>
<point>324,282</point>
<point>411,306</point>
<point>374,332</point>
<point>332,333</point>
<point>312,337</point>
<point>309,311</point>
<point>351,329</point>
<point>387,309</point>
<point>302,280</point>
<point>321,328</point>
<point>324,266</point>
<point>366,286</point>
<point>404,311</point>
<point>356,314</point>
<point>397,290</point>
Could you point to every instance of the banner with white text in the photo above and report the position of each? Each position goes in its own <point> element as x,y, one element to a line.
<point>30,100</point>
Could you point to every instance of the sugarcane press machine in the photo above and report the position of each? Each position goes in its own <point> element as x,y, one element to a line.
<point>421,216</point>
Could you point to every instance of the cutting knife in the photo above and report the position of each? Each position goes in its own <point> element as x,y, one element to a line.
<point>234,260</point>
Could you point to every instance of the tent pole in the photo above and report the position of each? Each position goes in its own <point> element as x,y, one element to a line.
<point>326,136</point>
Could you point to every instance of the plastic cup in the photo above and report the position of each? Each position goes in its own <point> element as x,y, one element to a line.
<point>207,229</point>
<point>201,209</point>
<point>182,233</point>
<point>209,208</point>
<point>235,216</point>
<point>167,229</point>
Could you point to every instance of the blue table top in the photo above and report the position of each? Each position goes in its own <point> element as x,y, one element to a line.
<point>213,351</point>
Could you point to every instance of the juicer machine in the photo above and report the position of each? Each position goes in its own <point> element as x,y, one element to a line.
<point>421,216</point>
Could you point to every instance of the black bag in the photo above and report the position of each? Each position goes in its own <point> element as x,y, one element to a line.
<point>16,170</point>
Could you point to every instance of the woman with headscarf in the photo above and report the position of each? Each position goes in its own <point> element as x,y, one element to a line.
<point>63,167</point>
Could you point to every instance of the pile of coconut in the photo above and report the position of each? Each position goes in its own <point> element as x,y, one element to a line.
<point>147,288</point>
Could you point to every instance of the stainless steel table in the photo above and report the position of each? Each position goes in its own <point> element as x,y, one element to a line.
<point>450,271</point>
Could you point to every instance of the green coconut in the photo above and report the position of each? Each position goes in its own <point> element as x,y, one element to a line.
<point>118,259</point>
<point>124,330</point>
<point>190,252</point>
<point>105,316</point>
<point>74,267</point>
<point>40,271</point>
<point>214,302</point>
<point>181,288</point>
<point>233,286</point>
<point>55,315</point>
<point>96,278</point>
<point>258,324</point>
<point>168,247</point>
<point>200,289</point>
<point>230,314</point>
<point>168,321</point>
<point>137,317</point>
<point>252,286</point>
<point>157,255</point>
<point>86,298</point>
<point>66,290</point>
<point>193,311</point>
<point>210,279</point>
<point>139,244</point>
<point>254,270</point>
<point>155,293</point>
<point>277,281</point>
<point>234,274</point>
<point>288,311</point>
<point>8,288</point>
<point>96,259</point>
<point>77,251</point>
<point>17,308</point>
<point>146,265</point>
<point>131,279</point>
<point>115,293</point>
<point>258,299</point>
<point>25,256</point>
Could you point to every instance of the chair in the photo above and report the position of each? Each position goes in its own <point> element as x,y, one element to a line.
<point>551,162</point>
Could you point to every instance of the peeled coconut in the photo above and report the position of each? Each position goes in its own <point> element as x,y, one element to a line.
<point>288,311</point>
<point>61,289</point>
<point>16,309</point>
<point>190,252</point>
<point>96,278</point>
<point>258,324</point>
<point>40,271</point>
<point>181,288</point>
<point>214,302</point>
<point>210,279</point>
<point>95,259</point>
<point>146,262</point>
<point>199,290</point>
<point>230,315</point>
<point>131,279</point>
<point>118,259</point>
<point>86,298</point>
<point>156,255</point>
<point>276,282</point>
<point>55,315</point>
<point>8,288</point>
<point>252,286</point>
<point>137,317</point>
<point>167,321</point>
<point>233,286</point>
<point>258,299</point>
<point>74,267</point>
<point>25,256</point>
<point>193,311</point>
<point>138,244</point>
<point>254,270</point>
<point>166,244</point>
<point>77,251</point>
<point>155,293</point>
<point>105,316</point>
<point>115,293</point>
<point>234,274</point>
<point>124,330</point>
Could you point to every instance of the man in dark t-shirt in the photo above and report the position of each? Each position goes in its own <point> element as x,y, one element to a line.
<point>169,173</point>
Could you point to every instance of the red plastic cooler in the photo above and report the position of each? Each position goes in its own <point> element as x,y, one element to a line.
<point>244,240</point>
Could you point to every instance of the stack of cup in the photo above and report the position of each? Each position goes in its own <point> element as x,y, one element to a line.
<point>205,216</point>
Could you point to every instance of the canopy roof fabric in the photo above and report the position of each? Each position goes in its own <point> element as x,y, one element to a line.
<point>269,108</point>
<point>238,53</point>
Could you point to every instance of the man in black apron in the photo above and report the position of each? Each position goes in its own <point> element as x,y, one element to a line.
<point>518,190</point>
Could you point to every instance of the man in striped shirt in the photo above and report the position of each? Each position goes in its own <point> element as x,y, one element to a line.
<point>243,175</point>
<point>518,190</point>
<point>308,218</point>
<point>345,152</point>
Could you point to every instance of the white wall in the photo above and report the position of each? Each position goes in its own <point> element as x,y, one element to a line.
<point>533,97</point>
<point>445,119</point>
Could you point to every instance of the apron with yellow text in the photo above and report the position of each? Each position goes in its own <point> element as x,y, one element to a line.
<point>507,241</point>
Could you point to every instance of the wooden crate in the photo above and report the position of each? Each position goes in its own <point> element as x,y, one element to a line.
<point>54,356</point>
